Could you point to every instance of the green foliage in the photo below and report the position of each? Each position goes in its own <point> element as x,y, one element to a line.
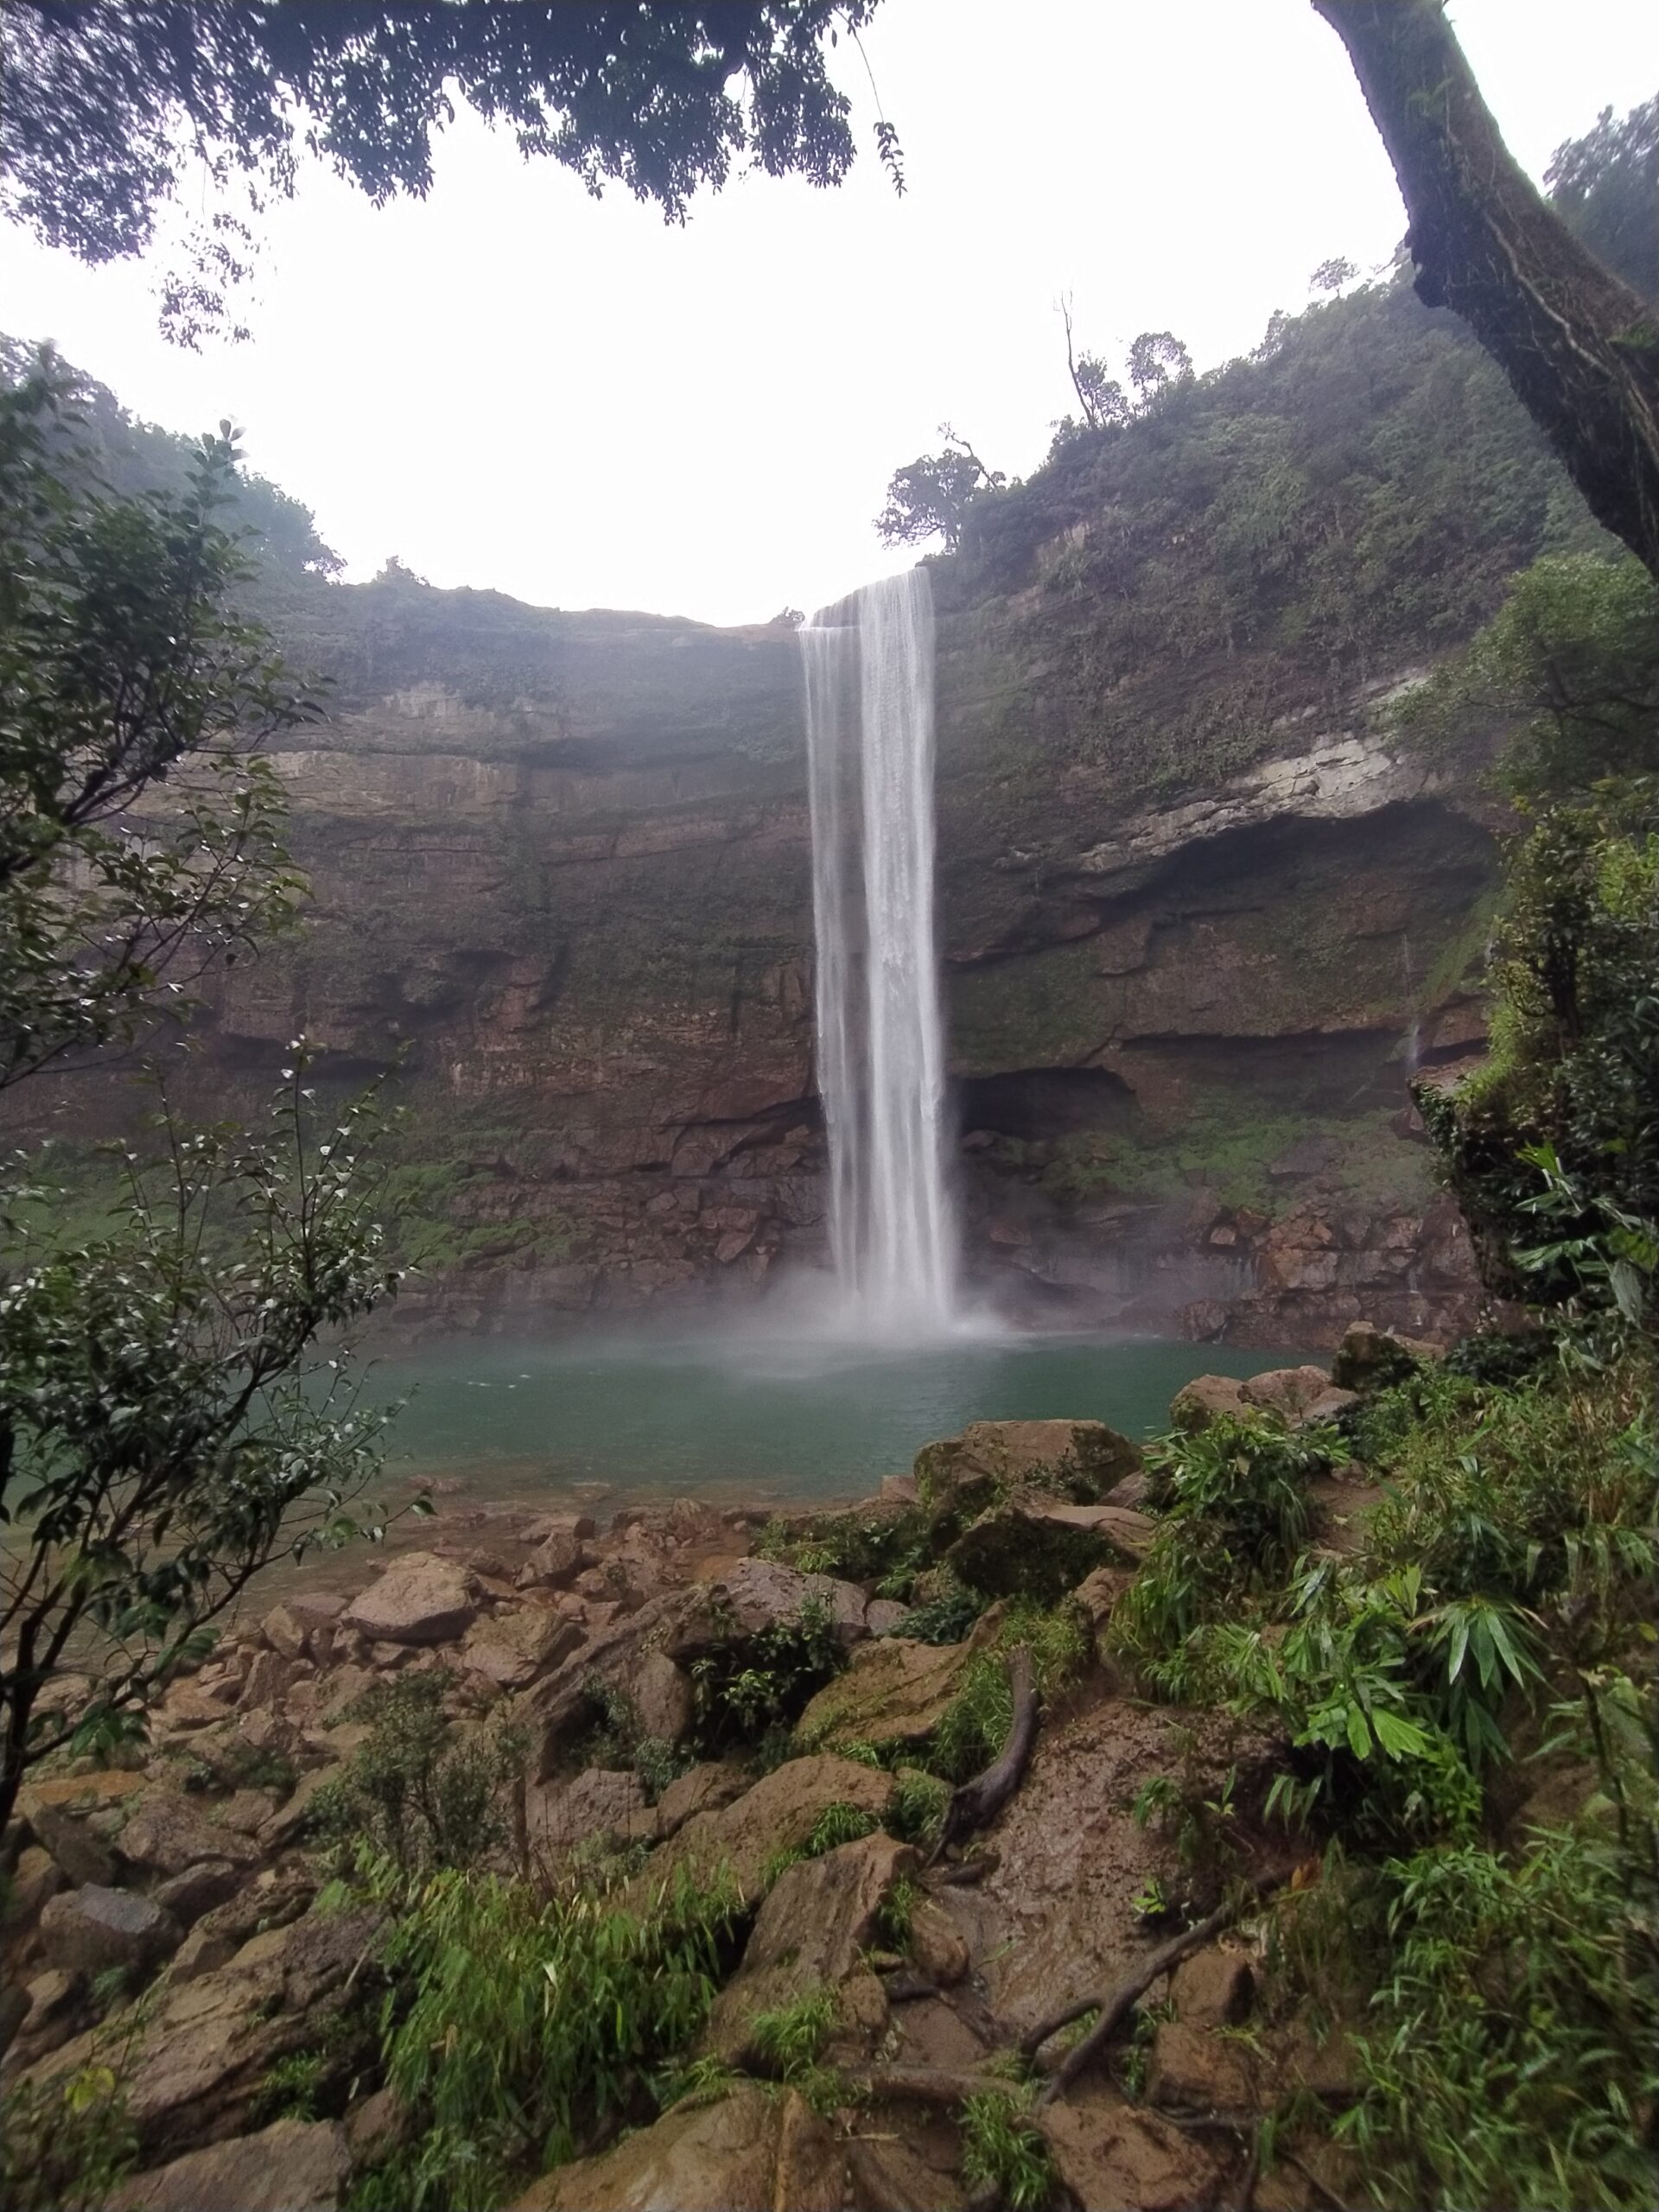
<point>617,1740</point>
<point>160,1436</point>
<point>1553,1148</point>
<point>893,1921</point>
<point>290,2087</point>
<point>419,1791</point>
<point>761,1683</point>
<point>1234,1499</point>
<point>976,1723</point>
<point>65,2145</point>
<point>1604,185</point>
<point>917,1809</point>
<point>886,1550</point>
<point>944,1619</point>
<point>929,497</point>
<point>1510,2057</point>
<point>516,2022</point>
<point>120,668</point>
<point>1003,2150</point>
<point>836,1825</point>
<point>654,99</point>
<point>790,2040</point>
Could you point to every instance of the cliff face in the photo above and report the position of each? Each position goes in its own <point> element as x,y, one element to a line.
<point>562,863</point>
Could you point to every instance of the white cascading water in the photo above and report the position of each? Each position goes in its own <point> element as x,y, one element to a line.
<point>869,721</point>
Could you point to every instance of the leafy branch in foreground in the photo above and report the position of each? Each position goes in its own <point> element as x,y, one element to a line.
<point>140,830</point>
<point>161,1436</point>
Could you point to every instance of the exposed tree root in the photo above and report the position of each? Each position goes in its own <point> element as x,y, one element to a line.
<point>930,2085</point>
<point>1116,2005</point>
<point>977,1803</point>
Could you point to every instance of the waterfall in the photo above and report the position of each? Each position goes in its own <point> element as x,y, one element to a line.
<point>870,723</point>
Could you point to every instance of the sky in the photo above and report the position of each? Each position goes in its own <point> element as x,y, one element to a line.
<point>513,385</point>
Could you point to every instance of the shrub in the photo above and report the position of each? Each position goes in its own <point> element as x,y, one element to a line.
<point>1515,2039</point>
<point>418,1790</point>
<point>517,2022</point>
<point>1003,2150</point>
<point>65,2146</point>
<point>762,1683</point>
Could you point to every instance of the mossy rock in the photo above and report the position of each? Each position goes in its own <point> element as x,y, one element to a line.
<point>1033,1548</point>
<point>961,1476</point>
<point>894,1691</point>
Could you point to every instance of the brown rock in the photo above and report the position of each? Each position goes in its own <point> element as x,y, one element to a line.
<point>376,2125</point>
<point>705,1788</point>
<point>292,1817</point>
<point>883,1614</point>
<point>888,2175</point>
<point>297,2165</point>
<point>1369,1358</point>
<point>738,2155</point>
<point>578,1525</point>
<point>755,1594</point>
<point>267,1681</point>
<point>1287,1391</point>
<point>812,1931</point>
<point>512,1648</point>
<point>1030,1546</point>
<point>963,1472</point>
<point>662,1697</point>
<point>37,1876</point>
<point>894,1691</point>
<point>935,1943</point>
<point>200,2056</point>
<point>1214,1988</point>
<point>1197,2070</point>
<point>420,1599</point>
<point>198,1889</point>
<point>1114,2158</point>
<point>557,1560</point>
<point>1198,1402</point>
<point>91,1930</point>
<point>598,1802</point>
<point>777,1815</point>
<point>167,1833</point>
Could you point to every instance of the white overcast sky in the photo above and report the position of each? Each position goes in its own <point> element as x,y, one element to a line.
<point>511,384</point>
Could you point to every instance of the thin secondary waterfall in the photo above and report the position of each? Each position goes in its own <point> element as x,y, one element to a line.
<point>869,721</point>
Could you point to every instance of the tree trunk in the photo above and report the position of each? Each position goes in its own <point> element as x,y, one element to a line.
<point>1580,347</point>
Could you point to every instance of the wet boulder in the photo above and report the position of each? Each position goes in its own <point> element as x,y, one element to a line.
<point>767,1823</point>
<point>894,1691</point>
<point>1034,1547</point>
<point>92,1930</point>
<point>755,1595</point>
<point>1370,1359</point>
<point>959,1476</point>
<point>295,2165</point>
<point>420,1598</point>
<point>747,2152</point>
<point>813,1933</point>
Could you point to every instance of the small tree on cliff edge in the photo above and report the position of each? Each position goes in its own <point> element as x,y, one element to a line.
<point>159,1441</point>
<point>929,497</point>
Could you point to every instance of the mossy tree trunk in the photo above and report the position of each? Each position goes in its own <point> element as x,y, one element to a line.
<point>1579,348</point>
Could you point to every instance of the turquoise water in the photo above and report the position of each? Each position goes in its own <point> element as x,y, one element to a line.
<point>762,1421</point>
